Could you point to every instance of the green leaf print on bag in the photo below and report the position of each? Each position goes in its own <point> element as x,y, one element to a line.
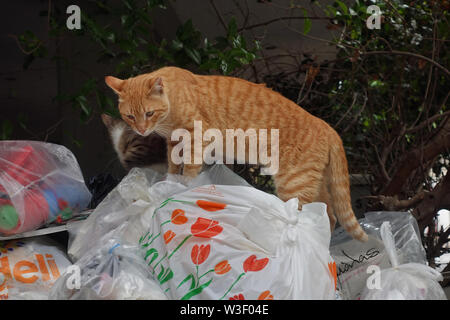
<point>165,275</point>
<point>196,291</point>
<point>151,252</point>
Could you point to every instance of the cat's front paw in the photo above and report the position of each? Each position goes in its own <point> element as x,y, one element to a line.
<point>191,171</point>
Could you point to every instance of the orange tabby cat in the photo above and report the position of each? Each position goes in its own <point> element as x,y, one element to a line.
<point>312,162</point>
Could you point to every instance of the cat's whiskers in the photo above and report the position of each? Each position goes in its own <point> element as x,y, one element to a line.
<point>163,130</point>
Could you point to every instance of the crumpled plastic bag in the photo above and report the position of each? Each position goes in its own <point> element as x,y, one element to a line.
<point>29,267</point>
<point>353,258</point>
<point>122,212</point>
<point>235,242</point>
<point>409,281</point>
<point>109,272</point>
<point>39,183</point>
<point>266,248</point>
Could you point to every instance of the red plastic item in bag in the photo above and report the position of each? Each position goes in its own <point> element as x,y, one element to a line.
<point>39,182</point>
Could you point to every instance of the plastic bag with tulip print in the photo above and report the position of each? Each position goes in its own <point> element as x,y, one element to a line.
<point>236,242</point>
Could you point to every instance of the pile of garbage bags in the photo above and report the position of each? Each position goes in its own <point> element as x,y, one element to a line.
<point>215,237</point>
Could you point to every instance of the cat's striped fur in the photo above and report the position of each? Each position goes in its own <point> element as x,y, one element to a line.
<point>312,161</point>
<point>134,150</point>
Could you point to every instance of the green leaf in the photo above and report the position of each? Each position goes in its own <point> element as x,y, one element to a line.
<point>306,22</point>
<point>111,37</point>
<point>128,4</point>
<point>177,44</point>
<point>6,130</point>
<point>232,28</point>
<point>342,6</point>
<point>236,42</point>
<point>191,277</point>
<point>156,3</point>
<point>22,119</point>
<point>124,19</point>
<point>331,11</point>
<point>194,55</point>
<point>196,291</point>
<point>376,83</point>
<point>82,103</point>
<point>224,67</point>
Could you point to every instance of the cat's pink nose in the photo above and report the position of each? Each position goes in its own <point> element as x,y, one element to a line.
<point>142,131</point>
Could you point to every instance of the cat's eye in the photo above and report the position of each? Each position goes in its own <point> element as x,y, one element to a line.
<point>131,117</point>
<point>149,114</point>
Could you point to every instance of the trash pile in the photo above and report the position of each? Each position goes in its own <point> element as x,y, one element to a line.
<point>214,237</point>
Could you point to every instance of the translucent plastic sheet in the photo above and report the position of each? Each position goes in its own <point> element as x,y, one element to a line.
<point>109,272</point>
<point>408,281</point>
<point>39,183</point>
<point>353,257</point>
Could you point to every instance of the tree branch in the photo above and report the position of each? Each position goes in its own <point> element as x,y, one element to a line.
<point>410,54</point>
<point>438,144</point>
<point>394,204</point>
<point>424,123</point>
<point>279,19</point>
<point>435,200</point>
<point>219,15</point>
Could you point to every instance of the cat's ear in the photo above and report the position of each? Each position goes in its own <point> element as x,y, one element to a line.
<point>157,87</point>
<point>115,83</point>
<point>107,120</point>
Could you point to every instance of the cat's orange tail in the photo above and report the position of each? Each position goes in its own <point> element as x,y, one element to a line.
<point>340,191</point>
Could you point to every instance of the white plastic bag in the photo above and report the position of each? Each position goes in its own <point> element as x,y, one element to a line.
<point>266,248</point>
<point>236,242</point>
<point>122,213</point>
<point>39,183</point>
<point>29,267</point>
<point>410,281</point>
<point>353,258</point>
<point>109,272</point>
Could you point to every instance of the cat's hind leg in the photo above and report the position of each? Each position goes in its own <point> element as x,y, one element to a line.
<point>192,170</point>
<point>325,197</point>
<point>299,176</point>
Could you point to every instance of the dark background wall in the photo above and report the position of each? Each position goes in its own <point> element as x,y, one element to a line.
<point>30,94</point>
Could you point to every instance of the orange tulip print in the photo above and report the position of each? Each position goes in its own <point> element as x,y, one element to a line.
<point>200,253</point>
<point>250,264</point>
<point>168,236</point>
<point>239,296</point>
<point>210,206</point>
<point>222,267</point>
<point>206,228</point>
<point>332,268</point>
<point>202,228</point>
<point>178,217</point>
<point>253,264</point>
<point>265,296</point>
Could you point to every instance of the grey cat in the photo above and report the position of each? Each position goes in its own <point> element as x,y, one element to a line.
<point>134,150</point>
